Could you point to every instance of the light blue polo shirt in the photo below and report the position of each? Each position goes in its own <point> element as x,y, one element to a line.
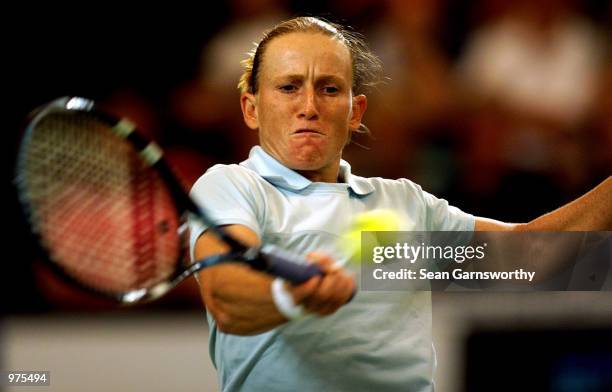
<point>380,341</point>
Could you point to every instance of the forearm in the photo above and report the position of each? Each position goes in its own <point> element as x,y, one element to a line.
<point>590,212</point>
<point>241,300</point>
<point>238,297</point>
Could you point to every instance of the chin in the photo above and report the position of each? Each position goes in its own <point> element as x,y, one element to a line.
<point>309,159</point>
<point>307,165</point>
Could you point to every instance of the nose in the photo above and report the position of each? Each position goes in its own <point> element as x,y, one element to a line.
<point>309,107</point>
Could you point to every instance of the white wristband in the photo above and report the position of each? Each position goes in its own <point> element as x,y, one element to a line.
<point>284,300</point>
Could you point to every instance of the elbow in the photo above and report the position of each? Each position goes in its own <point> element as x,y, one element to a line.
<point>230,324</point>
<point>521,227</point>
<point>233,327</point>
<point>224,321</point>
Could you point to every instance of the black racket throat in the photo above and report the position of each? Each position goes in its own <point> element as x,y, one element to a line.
<point>109,211</point>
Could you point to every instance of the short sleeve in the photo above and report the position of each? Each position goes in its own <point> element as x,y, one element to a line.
<point>440,216</point>
<point>228,194</point>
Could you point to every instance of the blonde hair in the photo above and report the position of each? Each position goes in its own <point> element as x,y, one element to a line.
<point>367,68</point>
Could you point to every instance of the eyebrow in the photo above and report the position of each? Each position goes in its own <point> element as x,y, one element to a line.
<point>319,80</point>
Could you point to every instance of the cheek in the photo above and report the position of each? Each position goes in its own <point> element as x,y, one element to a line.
<point>273,121</point>
<point>342,116</point>
<point>273,112</point>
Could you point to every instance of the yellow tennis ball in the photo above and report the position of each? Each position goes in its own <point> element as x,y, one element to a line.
<point>375,220</point>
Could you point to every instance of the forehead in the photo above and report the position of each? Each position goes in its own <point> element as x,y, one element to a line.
<point>299,52</point>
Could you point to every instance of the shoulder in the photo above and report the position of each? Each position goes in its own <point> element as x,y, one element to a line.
<point>227,184</point>
<point>232,171</point>
<point>233,175</point>
<point>401,187</point>
<point>231,194</point>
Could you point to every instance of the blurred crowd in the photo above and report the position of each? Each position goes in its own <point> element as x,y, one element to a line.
<point>502,107</point>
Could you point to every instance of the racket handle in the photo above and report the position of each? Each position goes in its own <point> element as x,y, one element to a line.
<point>279,263</point>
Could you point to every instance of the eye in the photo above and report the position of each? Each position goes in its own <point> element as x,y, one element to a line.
<point>287,88</point>
<point>330,90</point>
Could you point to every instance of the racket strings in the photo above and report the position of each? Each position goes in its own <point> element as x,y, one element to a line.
<point>143,229</point>
<point>105,217</point>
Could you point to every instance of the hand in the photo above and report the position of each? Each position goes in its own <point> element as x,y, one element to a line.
<point>325,294</point>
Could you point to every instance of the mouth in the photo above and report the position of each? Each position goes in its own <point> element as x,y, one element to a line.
<point>306,131</point>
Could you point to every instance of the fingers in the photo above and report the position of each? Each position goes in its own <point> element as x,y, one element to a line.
<point>324,261</point>
<point>332,292</point>
<point>343,290</point>
<point>305,290</point>
<point>325,294</point>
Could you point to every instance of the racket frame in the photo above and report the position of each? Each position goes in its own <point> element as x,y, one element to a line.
<point>262,258</point>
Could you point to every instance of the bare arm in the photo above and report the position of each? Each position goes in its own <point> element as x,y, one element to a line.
<point>590,212</point>
<point>240,300</point>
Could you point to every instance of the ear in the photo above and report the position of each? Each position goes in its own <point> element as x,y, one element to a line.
<point>248,103</point>
<point>360,104</point>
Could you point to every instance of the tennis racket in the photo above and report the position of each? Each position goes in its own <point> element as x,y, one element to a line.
<point>109,212</point>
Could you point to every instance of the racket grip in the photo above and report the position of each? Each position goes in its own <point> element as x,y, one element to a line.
<point>279,263</point>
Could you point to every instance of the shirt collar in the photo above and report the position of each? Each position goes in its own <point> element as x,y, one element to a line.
<point>281,176</point>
